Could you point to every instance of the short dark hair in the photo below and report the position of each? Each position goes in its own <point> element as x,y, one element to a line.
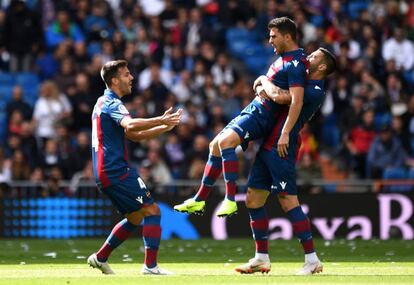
<point>284,25</point>
<point>329,59</point>
<point>110,70</point>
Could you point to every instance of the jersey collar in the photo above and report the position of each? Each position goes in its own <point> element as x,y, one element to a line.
<point>108,92</point>
<point>293,51</point>
<point>320,83</point>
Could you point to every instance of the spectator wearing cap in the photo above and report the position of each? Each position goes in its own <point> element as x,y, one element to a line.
<point>386,151</point>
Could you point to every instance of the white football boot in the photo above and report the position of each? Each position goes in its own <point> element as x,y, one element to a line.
<point>310,268</point>
<point>102,266</point>
<point>254,265</point>
<point>155,271</point>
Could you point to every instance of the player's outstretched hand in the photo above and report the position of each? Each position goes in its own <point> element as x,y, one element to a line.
<point>171,119</point>
<point>283,145</point>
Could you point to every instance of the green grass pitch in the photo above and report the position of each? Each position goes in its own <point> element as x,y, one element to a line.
<point>28,261</point>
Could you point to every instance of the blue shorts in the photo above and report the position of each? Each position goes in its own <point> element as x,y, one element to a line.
<point>249,128</point>
<point>273,173</point>
<point>129,195</point>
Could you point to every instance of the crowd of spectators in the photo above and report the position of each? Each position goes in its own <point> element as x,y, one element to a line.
<point>177,54</point>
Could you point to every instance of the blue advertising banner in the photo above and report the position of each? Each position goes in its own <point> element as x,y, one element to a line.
<point>350,216</point>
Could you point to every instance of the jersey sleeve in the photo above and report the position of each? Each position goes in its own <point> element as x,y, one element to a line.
<point>117,111</point>
<point>297,73</point>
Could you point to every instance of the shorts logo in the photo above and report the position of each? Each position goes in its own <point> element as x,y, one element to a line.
<point>139,199</point>
<point>273,187</point>
<point>283,184</point>
<point>247,135</point>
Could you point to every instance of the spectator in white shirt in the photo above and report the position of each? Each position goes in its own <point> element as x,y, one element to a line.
<point>399,49</point>
<point>51,108</point>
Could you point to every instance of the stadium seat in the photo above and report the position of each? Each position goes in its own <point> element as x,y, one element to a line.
<point>27,80</point>
<point>6,92</point>
<point>238,34</point>
<point>395,174</point>
<point>330,131</point>
<point>356,6</point>
<point>237,48</point>
<point>381,119</point>
<point>3,126</point>
<point>330,188</point>
<point>93,48</point>
<point>3,105</point>
<point>257,64</point>
<point>411,177</point>
<point>411,173</point>
<point>7,79</point>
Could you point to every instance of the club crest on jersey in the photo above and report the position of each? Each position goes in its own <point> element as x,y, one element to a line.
<point>123,110</point>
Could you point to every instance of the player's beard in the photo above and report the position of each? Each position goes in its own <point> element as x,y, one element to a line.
<point>127,89</point>
<point>312,68</point>
<point>280,48</point>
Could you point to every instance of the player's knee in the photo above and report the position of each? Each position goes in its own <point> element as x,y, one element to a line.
<point>152,210</point>
<point>284,207</point>
<point>227,141</point>
<point>134,218</point>
<point>213,146</point>
<point>252,201</point>
<point>288,204</point>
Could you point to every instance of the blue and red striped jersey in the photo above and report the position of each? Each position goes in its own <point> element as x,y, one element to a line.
<point>290,69</point>
<point>313,98</point>
<point>109,152</point>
